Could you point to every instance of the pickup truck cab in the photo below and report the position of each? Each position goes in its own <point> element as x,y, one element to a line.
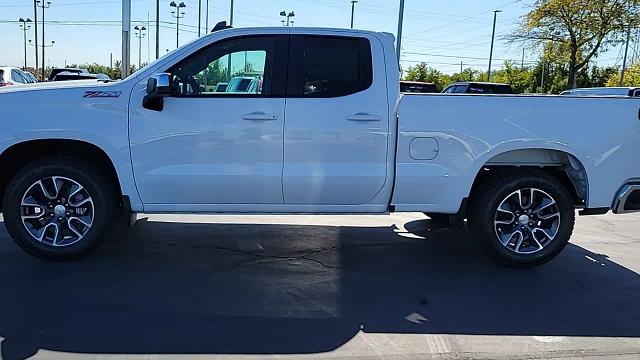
<point>327,132</point>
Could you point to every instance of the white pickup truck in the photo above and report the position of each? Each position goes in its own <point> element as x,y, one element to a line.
<point>320,127</point>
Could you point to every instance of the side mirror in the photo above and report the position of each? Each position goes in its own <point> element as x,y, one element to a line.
<point>159,85</point>
<point>158,88</point>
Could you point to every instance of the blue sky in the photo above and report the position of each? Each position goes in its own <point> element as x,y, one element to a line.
<point>440,32</point>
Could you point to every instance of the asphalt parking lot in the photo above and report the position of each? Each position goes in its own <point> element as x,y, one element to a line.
<point>182,287</point>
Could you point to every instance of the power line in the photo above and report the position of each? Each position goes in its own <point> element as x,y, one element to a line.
<point>70,3</point>
<point>456,22</point>
<point>460,57</point>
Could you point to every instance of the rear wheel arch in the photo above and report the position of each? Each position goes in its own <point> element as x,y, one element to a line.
<point>19,155</point>
<point>562,165</point>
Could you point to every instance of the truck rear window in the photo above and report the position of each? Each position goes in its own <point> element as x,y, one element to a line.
<point>323,66</point>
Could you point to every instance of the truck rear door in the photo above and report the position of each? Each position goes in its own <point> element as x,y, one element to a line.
<point>337,123</point>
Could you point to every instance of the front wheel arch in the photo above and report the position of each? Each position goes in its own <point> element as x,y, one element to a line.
<point>21,154</point>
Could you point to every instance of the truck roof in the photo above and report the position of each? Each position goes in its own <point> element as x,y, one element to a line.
<point>307,29</point>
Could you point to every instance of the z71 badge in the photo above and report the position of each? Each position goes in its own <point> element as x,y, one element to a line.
<point>102,94</point>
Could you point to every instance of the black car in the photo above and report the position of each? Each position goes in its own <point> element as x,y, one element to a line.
<point>417,87</point>
<point>478,88</point>
<point>67,75</point>
<point>56,71</point>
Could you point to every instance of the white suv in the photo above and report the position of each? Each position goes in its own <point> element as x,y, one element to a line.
<point>12,76</point>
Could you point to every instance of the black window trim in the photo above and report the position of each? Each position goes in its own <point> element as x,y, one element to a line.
<point>295,71</point>
<point>279,68</point>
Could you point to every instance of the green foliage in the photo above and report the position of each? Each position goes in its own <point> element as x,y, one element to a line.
<point>631,76</point>
<point>529,79</point>
<point>215,73</point>
<point>466,75</point>
<point>424,73</point>
<point>522,80</point>
<point>573,32</point>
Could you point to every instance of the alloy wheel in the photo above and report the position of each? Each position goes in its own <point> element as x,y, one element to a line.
<point>57,211</point>
<point>527,221</point>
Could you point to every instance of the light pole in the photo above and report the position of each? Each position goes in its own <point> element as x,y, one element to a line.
<point>199,16</point>
<point>139,34</point>
<point>43,5</point>
<point>24,27</point>
<point>206,19</point>
<point>35,33</point>
<point>157,29</point>
<point>50,44</point>
<point>353,7</point>
<point>400,20</point>
<point>178,14</point>
<point>125,70</point>
<point>626,52</point>
<point>43,46</point>
<point>287,16</point>
<point>231,14</point>
<point>493,35</point>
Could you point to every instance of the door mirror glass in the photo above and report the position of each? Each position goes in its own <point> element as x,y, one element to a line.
<point>159,85</point>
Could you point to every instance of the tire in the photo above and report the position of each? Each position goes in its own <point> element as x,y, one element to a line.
<point>533,237</point>
<point>69,225</point>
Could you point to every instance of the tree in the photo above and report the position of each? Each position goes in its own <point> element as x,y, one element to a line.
<point>522,80</point>
<point>581,29</point>
<point>631,76</point>
<point>422,72</point>
<point>467,74</point>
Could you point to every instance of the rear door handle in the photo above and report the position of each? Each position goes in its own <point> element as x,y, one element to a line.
<point>259,116</point>
<point>363,117</point>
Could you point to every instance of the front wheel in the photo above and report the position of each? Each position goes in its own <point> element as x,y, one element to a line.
<point>524,217</point>
<point>59,208</point>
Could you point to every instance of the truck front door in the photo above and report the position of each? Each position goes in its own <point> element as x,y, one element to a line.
<point>215,147</point>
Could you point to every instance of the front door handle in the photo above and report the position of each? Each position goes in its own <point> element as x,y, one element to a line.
<point>259,116</point>
<point>363,117</point>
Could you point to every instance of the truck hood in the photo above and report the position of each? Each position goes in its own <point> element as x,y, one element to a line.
<point>56,85</point>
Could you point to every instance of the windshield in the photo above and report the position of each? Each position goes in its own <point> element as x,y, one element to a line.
<point>166,54</point>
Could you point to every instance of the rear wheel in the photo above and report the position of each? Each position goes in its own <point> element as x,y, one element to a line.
<point>59,208</point>
<point>524,217</point>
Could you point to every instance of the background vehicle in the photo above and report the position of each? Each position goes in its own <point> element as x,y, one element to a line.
<point>13,75</point>
<point>56,71</point>
<point>64,76</point>
<point>255,87</point>
<point>31,76</point>
<point>326,132</point>
<point>614,91</point>
<point>220,87</point>
<point>239,84</point>
<point>478,88</point>
<point>417,87</point>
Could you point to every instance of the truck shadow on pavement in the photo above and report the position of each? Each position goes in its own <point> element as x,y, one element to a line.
<point>175,288</point>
